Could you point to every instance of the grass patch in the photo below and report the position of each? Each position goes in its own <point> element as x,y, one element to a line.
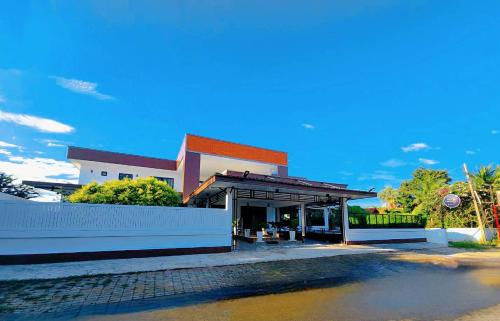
<point>474,245</point>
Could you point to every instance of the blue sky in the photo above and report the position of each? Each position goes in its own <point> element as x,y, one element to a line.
<point>361,92</point>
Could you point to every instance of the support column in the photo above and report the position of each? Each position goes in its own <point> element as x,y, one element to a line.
<point>303,221</point>
<point>345,219</point>
<point>326,217</point>
<point>230,208</point>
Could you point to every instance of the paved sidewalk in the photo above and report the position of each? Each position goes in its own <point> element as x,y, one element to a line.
<point>260,254</point>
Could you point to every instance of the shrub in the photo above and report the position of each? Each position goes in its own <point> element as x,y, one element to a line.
<point>357,210</point>
<point>142,191</point>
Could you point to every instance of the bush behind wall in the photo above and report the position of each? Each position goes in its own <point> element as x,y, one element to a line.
<point>141,191</point>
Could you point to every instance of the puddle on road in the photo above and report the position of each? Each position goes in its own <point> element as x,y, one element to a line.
<point>416,295</point>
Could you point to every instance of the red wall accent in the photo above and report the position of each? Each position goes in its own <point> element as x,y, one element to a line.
<point>206,145</point>
<point>191,173</point>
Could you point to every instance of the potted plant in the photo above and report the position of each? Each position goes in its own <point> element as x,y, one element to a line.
<point>260,231</point>
<point>293,228</point>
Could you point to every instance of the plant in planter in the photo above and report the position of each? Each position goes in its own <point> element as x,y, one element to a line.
<point>293,227</point>
<point>275,226</point>
<point>260,231</point>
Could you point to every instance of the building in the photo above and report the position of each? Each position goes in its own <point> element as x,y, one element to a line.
<point>255,181</point>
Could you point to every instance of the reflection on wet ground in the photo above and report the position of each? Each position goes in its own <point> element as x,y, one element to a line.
<point>436,287</point>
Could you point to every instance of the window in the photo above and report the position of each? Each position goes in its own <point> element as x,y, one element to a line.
<point>169,181</point>
<point>104,173</point>
<point>124,176</point>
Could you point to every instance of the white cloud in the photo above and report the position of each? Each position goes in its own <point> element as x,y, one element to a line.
<point>495,131</point>
<point>8,145</point>
<point>415,147</point>
<point>470,152</point>
<point>377,175</point>
<point>308,126</point>
<point>81,87</point>
<point>393,163</point>
<point>5,152</point>
<point>41,124</point>
<point>52,142</point>
<point>428,161</point>
<point>40,169</point>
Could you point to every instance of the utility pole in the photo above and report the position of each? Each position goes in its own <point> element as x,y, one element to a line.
<point>482,238</point>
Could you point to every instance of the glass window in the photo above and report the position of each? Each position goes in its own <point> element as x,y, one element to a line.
<point>168,180</point>
<point>124,176</point>
<point>104,173</point>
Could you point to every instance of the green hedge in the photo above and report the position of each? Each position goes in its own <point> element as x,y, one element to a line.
<point>389,220</point>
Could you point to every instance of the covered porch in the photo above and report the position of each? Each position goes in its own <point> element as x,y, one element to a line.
<point>277,209</point>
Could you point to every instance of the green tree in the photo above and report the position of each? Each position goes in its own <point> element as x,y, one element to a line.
<point>8,186</point>
<point>142,191</point>
<point>496,183</point>
<point>405,198</point>
<point>389,195</point>
<point>485,181</point>
<point>464,215</point>
<point>423,194</point>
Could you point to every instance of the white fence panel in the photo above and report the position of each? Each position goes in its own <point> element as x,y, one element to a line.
<point>468,234</point>
<point>433,235</point>
<point>380,234</point>
<point>33,228</point>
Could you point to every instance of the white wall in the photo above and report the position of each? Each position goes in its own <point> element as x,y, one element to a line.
<point>211,164</point>
<point>91,171</point>
<point>433,235</point>
<point>358,235</point>
<point>35,228</point>
<point>468,234</point>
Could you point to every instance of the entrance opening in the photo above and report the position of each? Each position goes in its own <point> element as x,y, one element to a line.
<point>252,216</point>
<point>324,223</point>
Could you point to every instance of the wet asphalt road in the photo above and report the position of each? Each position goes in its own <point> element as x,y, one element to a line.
<point>411,285</point>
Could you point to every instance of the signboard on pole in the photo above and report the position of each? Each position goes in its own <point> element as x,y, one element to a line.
<point>452,201</point>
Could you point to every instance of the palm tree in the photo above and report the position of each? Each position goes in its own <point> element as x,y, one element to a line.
<point>485,180</point>
<point>496,183</point>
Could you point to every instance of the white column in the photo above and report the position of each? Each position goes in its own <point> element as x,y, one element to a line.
<point>303,221</point>
<point>345,218</point>
<point>229,201</point>
<point>230,210</point>
<point>271,214</point>
<point>326,217</point>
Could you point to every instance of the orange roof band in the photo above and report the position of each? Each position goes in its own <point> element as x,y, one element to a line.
<point>219,147</point>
